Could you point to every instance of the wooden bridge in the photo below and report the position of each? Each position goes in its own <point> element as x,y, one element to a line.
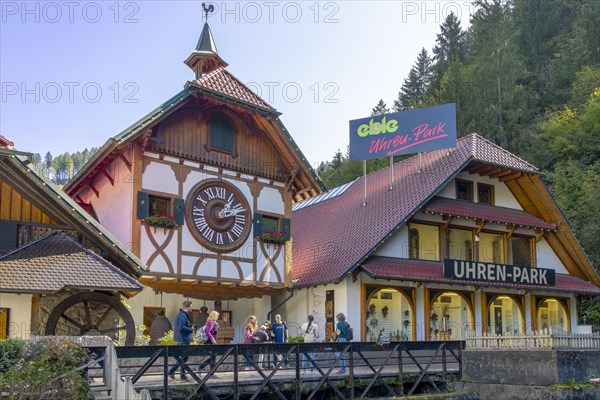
<point>394,369</point>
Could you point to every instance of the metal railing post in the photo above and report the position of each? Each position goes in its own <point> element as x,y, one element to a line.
<point>165,374</point>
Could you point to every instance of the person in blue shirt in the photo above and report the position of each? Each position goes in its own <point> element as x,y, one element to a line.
<point>182,334</point>
<point>280,331</point>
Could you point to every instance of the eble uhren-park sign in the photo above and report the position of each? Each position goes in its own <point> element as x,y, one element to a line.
<point>403,132</point>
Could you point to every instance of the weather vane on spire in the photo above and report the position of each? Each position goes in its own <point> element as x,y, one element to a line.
<point>207,10</point>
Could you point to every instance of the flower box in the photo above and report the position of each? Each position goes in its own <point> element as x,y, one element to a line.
<point>272,237</point>
<point>162,221</point>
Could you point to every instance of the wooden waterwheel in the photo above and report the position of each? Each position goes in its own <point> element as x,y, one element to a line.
<point>92,313</point>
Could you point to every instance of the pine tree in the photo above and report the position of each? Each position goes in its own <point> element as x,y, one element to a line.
<point>380,109</point>
<point>449,46</point>
<point>48,163</point>
<point>414,88</point>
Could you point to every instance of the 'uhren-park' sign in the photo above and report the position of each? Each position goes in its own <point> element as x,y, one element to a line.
<point>490,272</point>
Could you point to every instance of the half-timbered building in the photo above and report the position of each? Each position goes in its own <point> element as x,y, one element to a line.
<point>201,189</point>
<point>463,239</point>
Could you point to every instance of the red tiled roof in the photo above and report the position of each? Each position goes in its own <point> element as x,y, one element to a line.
<point>4,142</point>
<point>335,235</point>
<point>430,271</point>
<point>478,211</point>
<point>223,82</point>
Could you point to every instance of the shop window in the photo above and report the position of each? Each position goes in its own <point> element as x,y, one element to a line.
<point>459,244</point>
<point>424,242</point>
<point>552,316</point>
<point>4,312</point>
<point>221,134</point>
<point>520,251</point>
<point>450,317</point>
<point>464,190</point>
<point>505,317</point>
<point>491,248</point>
<point>485,194</point>
<point>388,313</point>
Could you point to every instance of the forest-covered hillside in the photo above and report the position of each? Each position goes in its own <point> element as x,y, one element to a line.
<point>525,75</point>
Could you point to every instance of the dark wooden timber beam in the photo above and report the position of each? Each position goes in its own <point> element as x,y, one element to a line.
<point>110,178</point>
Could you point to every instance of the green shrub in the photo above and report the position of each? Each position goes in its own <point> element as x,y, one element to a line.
<point>10,352</point>
<point>47,369</point>
<point>296,339</point>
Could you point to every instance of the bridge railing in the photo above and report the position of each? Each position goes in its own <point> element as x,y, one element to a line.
<point>280,368</point>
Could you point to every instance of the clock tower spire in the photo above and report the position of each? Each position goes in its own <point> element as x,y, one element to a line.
<point>205,58</point>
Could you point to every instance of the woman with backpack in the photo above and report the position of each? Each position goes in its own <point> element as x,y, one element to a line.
<point>310,332</point>
<point>341,330</point>
<point>210,330</point>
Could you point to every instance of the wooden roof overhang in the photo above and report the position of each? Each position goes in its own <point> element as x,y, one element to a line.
<point>301,179</point>
<point>534,198</point>
<point>52,201</point>
<point>211,289</point>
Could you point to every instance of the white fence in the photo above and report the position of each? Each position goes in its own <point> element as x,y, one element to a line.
<point>536,340</point>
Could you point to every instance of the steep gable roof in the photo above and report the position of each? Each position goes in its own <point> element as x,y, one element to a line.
<point>333,237</point>
<point>218,84</point>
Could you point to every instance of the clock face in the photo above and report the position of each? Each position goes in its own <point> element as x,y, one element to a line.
<point>218,215</point>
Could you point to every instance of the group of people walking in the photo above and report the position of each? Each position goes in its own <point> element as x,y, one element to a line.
<point>267,332</point>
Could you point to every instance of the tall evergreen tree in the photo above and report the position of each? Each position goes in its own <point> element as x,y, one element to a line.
<point>414,88</point>
<point>48,163</point>
<point>449,46</point>
<point>380,109</point>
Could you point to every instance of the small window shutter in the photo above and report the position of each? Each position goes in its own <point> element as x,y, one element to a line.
<point>286,227</point>
<point>8,235</point>
<point>257,224</point>
<point>143,205</point>
<point>178,211</point>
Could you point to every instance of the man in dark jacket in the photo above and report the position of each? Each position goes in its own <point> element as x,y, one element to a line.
<point>182,334</point>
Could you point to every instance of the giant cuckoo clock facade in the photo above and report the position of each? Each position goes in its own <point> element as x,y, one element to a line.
<point>202,187</point>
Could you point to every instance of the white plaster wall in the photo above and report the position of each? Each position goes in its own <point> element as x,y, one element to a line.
<point>347,300</point>
<point>208,266</point>
<point>546,258</point>
<point>159,264</point>
<point>240,309</point>
<point>19,318</point>
<point>263,262</point>
<point>270,200</point>
<point>395,246</point>
<point>160,178</point>
<point>502,195</point>
<point>114,207</point>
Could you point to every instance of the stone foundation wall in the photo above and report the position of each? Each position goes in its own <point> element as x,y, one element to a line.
<point>536,367</point>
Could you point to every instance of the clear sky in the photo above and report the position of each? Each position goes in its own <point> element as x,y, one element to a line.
<point>74,73</point>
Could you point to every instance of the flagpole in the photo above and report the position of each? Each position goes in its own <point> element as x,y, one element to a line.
<point>391,173</point>
<point>365,180</point>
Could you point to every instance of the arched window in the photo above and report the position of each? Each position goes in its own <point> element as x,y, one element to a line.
<point>221,134</point>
